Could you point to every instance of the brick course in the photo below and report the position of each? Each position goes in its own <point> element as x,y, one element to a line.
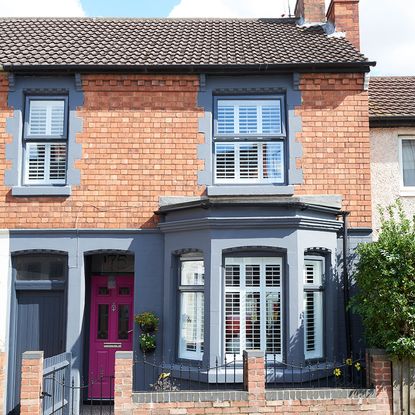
<point>140,138</point>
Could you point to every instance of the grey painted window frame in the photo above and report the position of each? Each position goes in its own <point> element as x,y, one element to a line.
<point>49,97</point>
<point>49,87</point>
<point>250,138</point>
<point>193,256</point>
<point>314,288</point>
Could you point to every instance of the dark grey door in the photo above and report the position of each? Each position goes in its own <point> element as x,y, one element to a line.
<point>41,325</point>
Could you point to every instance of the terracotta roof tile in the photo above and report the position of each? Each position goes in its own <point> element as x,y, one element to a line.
<point>392,96</point>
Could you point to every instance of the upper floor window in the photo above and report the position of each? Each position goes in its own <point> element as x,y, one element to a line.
<point>408,161</point>
<point>45,140</point>
<point>249,140</point>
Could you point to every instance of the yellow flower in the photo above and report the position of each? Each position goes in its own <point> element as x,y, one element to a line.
<point>337,372</point>
<point>358,366</point>
<point>164,375</point>
<point>349,361</point>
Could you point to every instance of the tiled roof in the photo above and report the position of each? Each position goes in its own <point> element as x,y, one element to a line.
<point>165,42</point>
<point>392,96</point>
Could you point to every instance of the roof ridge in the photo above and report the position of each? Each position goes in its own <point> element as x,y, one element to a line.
<point>104,18</point>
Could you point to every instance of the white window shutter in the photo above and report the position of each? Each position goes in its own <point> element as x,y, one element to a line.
<point>46,118</point>
<point>45,163</point>
<point>313,309</point>
<point>253,311</point>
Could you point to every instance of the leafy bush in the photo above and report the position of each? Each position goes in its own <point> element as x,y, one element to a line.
<point>385,276</point>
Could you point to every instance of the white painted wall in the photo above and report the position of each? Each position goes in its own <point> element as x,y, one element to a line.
<point>386,171</point>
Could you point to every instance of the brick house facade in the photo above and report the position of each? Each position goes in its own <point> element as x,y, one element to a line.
<point>162,182</point>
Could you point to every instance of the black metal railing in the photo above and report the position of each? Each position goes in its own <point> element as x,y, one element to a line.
<point>78,397</point>
<point>155,376</point>
<point>344,372</point>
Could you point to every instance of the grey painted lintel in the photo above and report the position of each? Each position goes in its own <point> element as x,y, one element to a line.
<point>124,355</point>
<point>318,394</point>
<point>33,355</point>
<point>41,190</point>
<point>81,231</point>
<point>251,223</point>
<point>253,353</point>
<point>249,190</point>
<point>190,396</point>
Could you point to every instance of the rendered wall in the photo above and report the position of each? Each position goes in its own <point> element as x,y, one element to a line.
<point>386,171</point>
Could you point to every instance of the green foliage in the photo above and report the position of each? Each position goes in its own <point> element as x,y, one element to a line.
<point>147,342</point>
<point>385,276</point>
<point>147,321</point>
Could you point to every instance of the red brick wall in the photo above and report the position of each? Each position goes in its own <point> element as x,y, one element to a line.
<point>31,384</point>
<point>344,14</point>
<point>139,142</point>
<point>140,139</point>
<point>336,142</point>
<point>256,402</point>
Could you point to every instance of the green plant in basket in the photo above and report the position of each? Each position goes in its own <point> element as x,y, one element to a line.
<point>147,342</point>
<point>147,321</point>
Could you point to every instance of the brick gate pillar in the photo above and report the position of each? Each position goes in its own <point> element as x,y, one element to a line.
<point>32,383</point>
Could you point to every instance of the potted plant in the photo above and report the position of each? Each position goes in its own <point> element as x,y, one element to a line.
<point>147,342</point>
<point>147,321</point>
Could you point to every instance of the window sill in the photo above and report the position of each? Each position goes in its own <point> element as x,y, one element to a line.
<point>41,190</point>
<point>250,190</point>
<point>409,191</point>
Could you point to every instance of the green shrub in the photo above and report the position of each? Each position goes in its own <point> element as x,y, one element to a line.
<point>385,276</point>
<point>147,321</point>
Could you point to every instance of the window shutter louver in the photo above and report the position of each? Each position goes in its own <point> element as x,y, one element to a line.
<point>253,305</point>
<point>46,118</point>
<point>36,158</point>
<point>225,161</point>
<point>313,309</point>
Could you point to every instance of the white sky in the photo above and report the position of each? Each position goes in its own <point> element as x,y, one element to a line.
<point>387,26</point>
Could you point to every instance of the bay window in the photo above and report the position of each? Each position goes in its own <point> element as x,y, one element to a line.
<point>313,308</point>
<point>191,288</point>
<point>249,140</point>
<point>45,141</point>
<point>253,305</point>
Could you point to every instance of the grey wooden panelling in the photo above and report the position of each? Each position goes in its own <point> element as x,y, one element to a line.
<point>404,387</point>
<point>41,325</point>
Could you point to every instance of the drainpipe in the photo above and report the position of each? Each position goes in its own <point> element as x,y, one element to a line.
<point>346,294</point>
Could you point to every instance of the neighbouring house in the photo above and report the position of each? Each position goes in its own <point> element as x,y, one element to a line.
<point>200,169</point>
<point>392,136</point>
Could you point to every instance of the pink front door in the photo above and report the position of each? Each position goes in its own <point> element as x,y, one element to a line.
<point>110,330</point>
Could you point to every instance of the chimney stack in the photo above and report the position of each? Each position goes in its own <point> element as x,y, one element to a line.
<point>344,16</point>
<point>312,11</point>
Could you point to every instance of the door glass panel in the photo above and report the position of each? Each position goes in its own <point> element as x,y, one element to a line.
<point>103,291</point>
<point>123,321</point>
<point>124,291</point>
<point>103,321</point>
